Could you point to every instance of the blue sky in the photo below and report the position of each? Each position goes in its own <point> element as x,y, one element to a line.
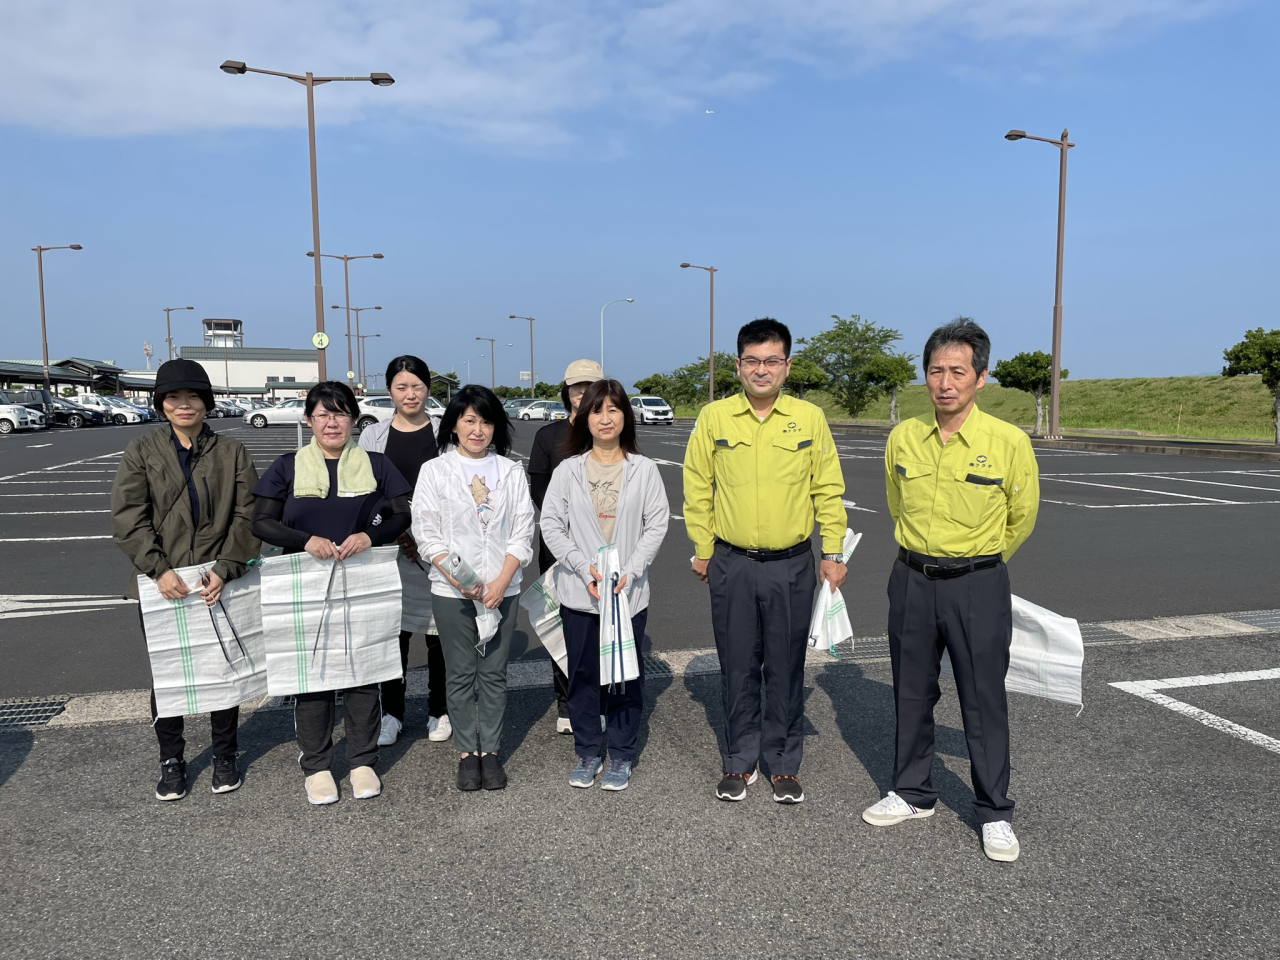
<point>545,157</point>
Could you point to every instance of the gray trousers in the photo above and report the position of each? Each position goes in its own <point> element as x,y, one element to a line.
<point>475,686</point>
<point>760,617</point>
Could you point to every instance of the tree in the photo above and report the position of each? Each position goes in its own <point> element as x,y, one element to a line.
<point>547,391</point>
<point>1258,352</point>
<point>845,352</point>
<point>1031,372</point>
<point>889,371</point>
<point>805,376</point>
<point>657,384</point>
<point>439,389</point>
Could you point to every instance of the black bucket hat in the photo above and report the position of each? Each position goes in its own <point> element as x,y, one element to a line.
<point>183,374</point>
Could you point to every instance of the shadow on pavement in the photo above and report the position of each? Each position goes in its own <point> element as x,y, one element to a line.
<point>15,744</point>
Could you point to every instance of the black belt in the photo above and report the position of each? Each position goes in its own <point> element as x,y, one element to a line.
<point>946,568</point>
<point>799,549</point>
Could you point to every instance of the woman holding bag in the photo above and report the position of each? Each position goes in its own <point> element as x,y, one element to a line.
<point>604,493</point>
<point>472,505</point>
<point>333,500</point>
<point>408,440</point>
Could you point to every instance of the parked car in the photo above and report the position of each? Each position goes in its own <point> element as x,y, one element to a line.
<point>15,416</point>
<point>39,400</point>
<point>226,408</point>
<point>652,410</point>
<point>544,410</point>
<point>374,410</point>
<point>68,414</point>
<point>513,405</point>
<point>114,409</point>
<point>285,412</point>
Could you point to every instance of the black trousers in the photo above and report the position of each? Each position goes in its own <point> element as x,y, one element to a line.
<point>588,699</point>
<point>313,715</point>
<point>760,616</point>
<point>223,725</point>
<point>972,618</point>
<point>393,690</point>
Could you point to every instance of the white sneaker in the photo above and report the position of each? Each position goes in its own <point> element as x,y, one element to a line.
<point>321,788</point>
<point>999,842</point>
<point>391,728</point>
<point>439,728</point>
<point>365,784</point>
<point>893,809</point>
<point>563,725</point>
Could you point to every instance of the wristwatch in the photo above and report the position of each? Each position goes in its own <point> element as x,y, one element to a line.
<point>833,557</point>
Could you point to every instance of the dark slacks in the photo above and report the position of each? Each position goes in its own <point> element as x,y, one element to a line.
<point>223,725</point>
<point>760,616</point>
<point>971,617</point>
<point>587,699</point>
<point>393,690</point>
<point>313,715</point>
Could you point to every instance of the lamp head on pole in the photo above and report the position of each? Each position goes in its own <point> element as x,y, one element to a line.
<point>377,308</point>
<point>377,256</point>
<point>631,299</point>
<point>381,79</point>
<point>233,67</point>
<point>684,265</point>
<point>1015,134</point>
<point>188,308</point>
<point>75,246</point>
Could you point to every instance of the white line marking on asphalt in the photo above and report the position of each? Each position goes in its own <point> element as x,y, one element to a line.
<point>21,605</point>
<point>1156,493</point>
<point>31,482</point>
<point>37,446</point>
<point>677,516</point>
<point>85,493</point>
<point>1146,689</point>
<point>853,506</point>
<point>59,466</point>
<point>105,536</point>
<point>46,513</point>
<point>1143,506</point>
<point>667,463</point>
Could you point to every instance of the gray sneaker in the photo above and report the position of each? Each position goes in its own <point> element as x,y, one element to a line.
<point>584,774</point>
<point>617,776</point>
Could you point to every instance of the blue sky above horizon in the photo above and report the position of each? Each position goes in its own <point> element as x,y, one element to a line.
<point>542,158</point>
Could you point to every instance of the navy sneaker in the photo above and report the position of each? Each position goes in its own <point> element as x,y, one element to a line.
<point>617,776</point>
<point>584,773</point>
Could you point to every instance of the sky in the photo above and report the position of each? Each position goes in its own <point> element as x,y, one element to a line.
<point>543,157</point>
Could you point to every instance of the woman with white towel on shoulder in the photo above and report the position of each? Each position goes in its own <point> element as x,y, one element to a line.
<point>473,517</point>
<point>604,493</point>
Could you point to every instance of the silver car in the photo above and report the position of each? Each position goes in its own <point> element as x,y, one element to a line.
<point>652,410</point>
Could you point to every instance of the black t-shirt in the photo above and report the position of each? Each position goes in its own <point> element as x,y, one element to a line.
<point>334,517</point>
<point>408,450</point>
<point>547,454</point>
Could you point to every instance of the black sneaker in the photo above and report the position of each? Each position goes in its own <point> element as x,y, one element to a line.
<point>173,780</point>
<point>734,786</point>
<point>226,776</point>
<point>469,773</point>
<point>786,789</point>
<point>495,778</point>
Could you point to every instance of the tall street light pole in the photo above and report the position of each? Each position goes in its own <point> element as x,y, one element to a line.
<point>533,377</point>
<point>362,338</point>
<point>358,369</point>
<point>308,80</point>
<point>493,376</point>
<point>1055,374</point>
<point>602,309</point>
<point>168,330</point>
<point>44,340</point>
<point>479,356</point>
<point>346,285</point>
<point>711,327</point>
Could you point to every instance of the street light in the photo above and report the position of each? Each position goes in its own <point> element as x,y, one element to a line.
<point>346,285</point>
<point>493,378</point>
<point>711,326</point>
<point>168,332</point>
<point>362,338</point>
<point>479,356</point>
<point>602,309</point>
<point>533,379</point>
<point>44,340</point>
<point>308,80</point>
<point>1055,374</point>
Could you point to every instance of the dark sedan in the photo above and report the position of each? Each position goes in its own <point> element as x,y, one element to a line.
<point>64,413</point>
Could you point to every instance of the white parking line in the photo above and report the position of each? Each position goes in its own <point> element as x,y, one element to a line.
<point>105,536</point>
<point>95,493</point>
<point>1157,493</point>
<point>30,483</point>
<point>1143,506</point>
<point>849,504</point>
<point>47,513</point>
<point>1146,689</point>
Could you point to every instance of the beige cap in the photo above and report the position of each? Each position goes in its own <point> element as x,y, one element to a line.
<point>582,371</point>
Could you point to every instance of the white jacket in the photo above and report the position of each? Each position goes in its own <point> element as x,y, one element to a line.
<point>444,519</point>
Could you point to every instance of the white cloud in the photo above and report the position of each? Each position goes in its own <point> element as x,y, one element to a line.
<point>504,72</point>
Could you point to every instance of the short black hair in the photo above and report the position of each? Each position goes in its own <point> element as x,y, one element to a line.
<point>764,330</point>
<point>961,331</point>
<point>484,402</point>
<point>334,396</point>
<point>206,397</point>
<point>580,439</point>
<point>408,364</point>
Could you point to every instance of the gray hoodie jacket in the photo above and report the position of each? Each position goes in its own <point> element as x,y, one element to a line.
<point>571,531</point>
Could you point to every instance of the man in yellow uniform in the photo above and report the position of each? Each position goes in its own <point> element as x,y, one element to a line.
<point>963,492</point>
<point>759,468</point>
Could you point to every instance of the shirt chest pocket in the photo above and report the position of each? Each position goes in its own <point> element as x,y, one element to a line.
<point>790,460</point>
<point>915,481</point>
<point>976,497</point>
<point>735,461</point>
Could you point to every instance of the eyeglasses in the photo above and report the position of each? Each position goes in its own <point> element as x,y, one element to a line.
<point>771,364</point>
<point>330,417</point>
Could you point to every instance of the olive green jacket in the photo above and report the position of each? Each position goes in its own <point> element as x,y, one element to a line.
<point>151,513</point>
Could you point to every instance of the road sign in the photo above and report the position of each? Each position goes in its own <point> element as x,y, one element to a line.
<point>524,374</point>
<point>351,374</point>
<point>320,341</point>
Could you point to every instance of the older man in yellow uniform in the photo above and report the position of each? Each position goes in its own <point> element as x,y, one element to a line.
<point>963,491</point>
<point>759,469</point>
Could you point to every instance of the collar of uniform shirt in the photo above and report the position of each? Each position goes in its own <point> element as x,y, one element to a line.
<point>972,424</point>
<point>781,406</point>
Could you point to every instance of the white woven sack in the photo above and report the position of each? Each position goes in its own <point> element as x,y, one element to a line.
<point>328,624</point>
<point>1046,658</point>
<point>204,658</point>
<point>618,659</point>
<point>829,623</point>
<point>415,596</point>
<point>543,608</point>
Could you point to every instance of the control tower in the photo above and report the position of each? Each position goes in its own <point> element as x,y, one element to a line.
<point>223,333</point>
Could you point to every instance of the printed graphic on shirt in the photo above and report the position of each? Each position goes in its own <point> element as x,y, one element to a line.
<point>604,497</point>
<point>484,499</point>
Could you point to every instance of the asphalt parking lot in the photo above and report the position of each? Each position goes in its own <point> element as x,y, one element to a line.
<point>1144,820</point>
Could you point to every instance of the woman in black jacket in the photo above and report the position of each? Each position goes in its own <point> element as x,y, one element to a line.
<point>333,500</point>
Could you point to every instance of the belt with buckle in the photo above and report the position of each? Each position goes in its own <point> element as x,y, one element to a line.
<point>762,556</point>
<point>946,568</point>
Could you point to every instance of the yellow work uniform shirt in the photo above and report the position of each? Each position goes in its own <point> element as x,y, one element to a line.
<point>975,495</point>
<point>760,484</point>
